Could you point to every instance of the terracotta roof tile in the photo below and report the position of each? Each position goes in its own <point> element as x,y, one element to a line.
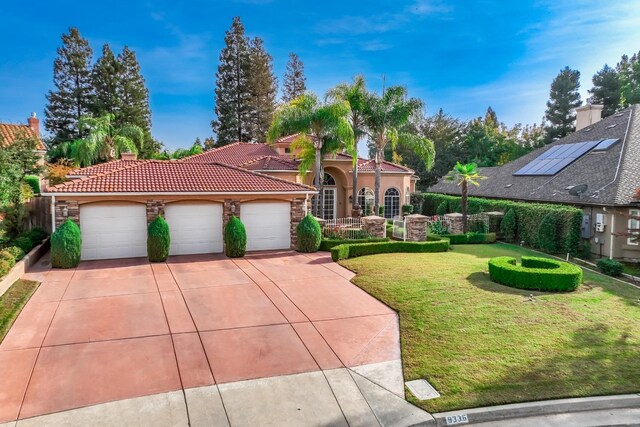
<point>157,176</point>
<point>9,133</point>
<point>233,154</point>
<point>271,163</point>
<point>103,167</point>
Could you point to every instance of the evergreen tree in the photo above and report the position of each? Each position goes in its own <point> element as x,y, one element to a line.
<point>262,88</point>
<point>71,98</point>
<point>606,90</point>
<point>294,83</point>
<point>629,72</point>
<point>105,78</point>
<point>132,93</point>
<point>198,143</point>
<point>209,143</point>
<point>232,99</point>
<point>563,99</point>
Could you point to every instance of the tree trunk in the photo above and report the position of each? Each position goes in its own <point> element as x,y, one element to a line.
<point>355,185</point>
<point>379,153</point>
<point>317,182</point>
<point>465,227</point>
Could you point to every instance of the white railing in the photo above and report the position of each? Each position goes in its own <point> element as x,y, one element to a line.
<point>344,228</point>
<point>399,228</point>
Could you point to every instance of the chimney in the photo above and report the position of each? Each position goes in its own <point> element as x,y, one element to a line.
<point>34,123</point>
<point>588,114</point>
<point>128,156</point>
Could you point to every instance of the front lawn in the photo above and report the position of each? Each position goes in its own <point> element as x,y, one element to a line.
<point>479,343</point>
<point>12,302</point>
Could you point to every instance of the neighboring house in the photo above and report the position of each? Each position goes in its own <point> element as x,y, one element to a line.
<point>114,202</point>
<point>9,133</point>
<point>596,168</point>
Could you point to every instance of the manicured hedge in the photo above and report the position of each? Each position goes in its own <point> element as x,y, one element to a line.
<point>610,267</point>
<point>528,217</point>
<point>235,238</point>
<point>66,245</point>
<point>158,240</point>
<point>469,238</point>
<point>538,274</point>
<point>327,244</point>
<point>308,234</point>
<point>351,250</point>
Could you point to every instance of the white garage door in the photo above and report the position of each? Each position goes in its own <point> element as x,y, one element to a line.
<point>267,225</point>
<point>194,227</point>
<point>113,230</point>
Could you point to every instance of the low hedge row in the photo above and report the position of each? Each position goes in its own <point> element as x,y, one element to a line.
<point>538,274</point>
<point>9,257</point>
<point>351,250</point>
<point>566,222</point>
<point>469,238</point>
<point>327,244</point>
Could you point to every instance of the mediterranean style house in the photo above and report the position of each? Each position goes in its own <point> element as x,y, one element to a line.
<point>114,202</point>
<point>596,168</point>
<point>9,133</point>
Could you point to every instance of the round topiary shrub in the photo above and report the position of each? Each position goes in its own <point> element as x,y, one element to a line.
<point>66,245</point>
<point>235,238</point>
<point>547,232</point>
<point>508,226</point>
<point>309,235</point>
<point>158,240</point>
<point>536,274</point>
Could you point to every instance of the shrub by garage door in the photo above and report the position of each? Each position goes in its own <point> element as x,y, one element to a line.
<point>194,227</point>
<point>113,230</point>
<point>267,224</point>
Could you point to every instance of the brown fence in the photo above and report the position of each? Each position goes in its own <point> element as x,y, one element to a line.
<point>38,213</point>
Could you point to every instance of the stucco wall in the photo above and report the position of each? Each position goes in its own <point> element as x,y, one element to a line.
<point>615,220</point>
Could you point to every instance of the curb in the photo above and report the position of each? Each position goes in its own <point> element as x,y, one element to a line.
<point>548,407</point>
<point>21,267</point>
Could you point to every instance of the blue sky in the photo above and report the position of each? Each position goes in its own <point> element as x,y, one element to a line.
<point>460,56</point>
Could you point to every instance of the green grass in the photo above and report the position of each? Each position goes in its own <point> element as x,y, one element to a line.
<point>12,302</point>
<point>631,268</point>
<point>479,343</point>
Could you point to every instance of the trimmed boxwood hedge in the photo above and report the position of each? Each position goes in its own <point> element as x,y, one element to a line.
<point>351,250</point>
<point>66,245</point>
<point>308,234</point>
<point>235,238</point>
<point>327,244</point>
<point>158,240</point>
<point>528,217</point>
<point>469,238</point>
<point>537,274</point>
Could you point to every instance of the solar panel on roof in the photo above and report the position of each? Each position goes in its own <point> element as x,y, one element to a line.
<point>556,158</point>
<point>605,144</point>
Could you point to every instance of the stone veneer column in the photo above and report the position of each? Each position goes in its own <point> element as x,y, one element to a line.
<point>454,222</point>
<point>230,207</point>
<point>297,214</point>
<point>155,208</point>
<point>375,226</point>
<point>416,227</point>
<point>67,209</point>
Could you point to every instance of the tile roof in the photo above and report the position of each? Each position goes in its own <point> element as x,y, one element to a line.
<point>607,183</point>
<point>103,167</point>
<point>233,154</point>
<point>158,176</point>
<point>271,163</point>
<point>9,133</point>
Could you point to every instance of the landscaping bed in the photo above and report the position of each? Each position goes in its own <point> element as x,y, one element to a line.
<point>350,250</point>
<point>12,302</point>
<point>480,343</point>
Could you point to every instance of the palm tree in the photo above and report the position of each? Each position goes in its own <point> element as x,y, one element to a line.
<point>355,95</point>
<point>104,141</point>
<point>386,118</point>
<point>464,175</point>
<point>321,128</point>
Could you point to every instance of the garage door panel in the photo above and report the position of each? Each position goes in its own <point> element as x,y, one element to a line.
<point>195,228</point>
<point>113,231</point>
<point>267,225</point>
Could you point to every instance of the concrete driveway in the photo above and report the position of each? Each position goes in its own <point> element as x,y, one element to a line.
<point>227,341</point>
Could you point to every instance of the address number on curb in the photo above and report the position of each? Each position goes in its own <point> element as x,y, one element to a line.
<point>457,419</point>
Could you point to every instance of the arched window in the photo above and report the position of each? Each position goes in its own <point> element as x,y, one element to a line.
<point>391,203</point>
<point>328,180</point>
<point>366,200</point>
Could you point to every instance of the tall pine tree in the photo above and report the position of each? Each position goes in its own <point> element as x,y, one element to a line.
<point>606,90</point>
<point>105,78</point>
<point>71,98</point>
<point>263,87</point>
<point>232,93</point>
<point>132,93</point>
<point>294,83</point>
<point>563,99</point>
<point>629,72</point>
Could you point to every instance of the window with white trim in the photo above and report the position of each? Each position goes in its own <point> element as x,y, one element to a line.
<point>633,226</point>
<point>391,203</point>
<point>366,200</point>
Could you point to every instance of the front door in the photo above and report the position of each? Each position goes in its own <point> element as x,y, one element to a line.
<point>329,202</point>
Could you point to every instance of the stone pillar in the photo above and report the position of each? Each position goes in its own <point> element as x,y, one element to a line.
<point>416,228</point>
<point>230,207</point>
<point>297,214</point>
<point>454,222</point>
<point>155,208</point>
<point>495,218</point>
<point>375,226</point>
<point>67,209</point>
